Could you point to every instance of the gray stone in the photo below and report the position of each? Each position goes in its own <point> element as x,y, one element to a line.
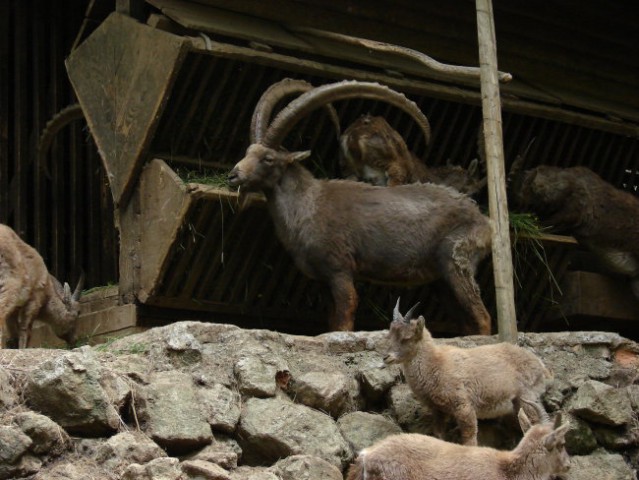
<point>306,467</point>
<point>221,407</point>
<point>575,367</point>
<point>47,436</point>
<point>222,454</point>
<point>67,389</point>
<point>202,469</point>
<point>73,469</point>
<point>331,392</point>
<point>633,394</point>
<point>580,440</point>
<point>600,403</point>
<point>13,444</point>
<point>362,429</point>
<point>599,466</point>
<point>376,381</point>
<point>170,411</point>
<point>182,347</point>
<point>617,438</point>
<point>165,468</point>
<point>125,448</point>
<point>117,388</point>
<point>253,473</point>
<point>8,394</point>
<point>411,415</point>
<point>256,377</point>
<point>274,428</point>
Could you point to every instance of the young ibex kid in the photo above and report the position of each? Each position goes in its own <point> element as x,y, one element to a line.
<point>29,292</point>
<point>466,383</point>
<point>539,456</point>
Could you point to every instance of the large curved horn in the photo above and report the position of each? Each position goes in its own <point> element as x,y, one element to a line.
<point>78,288</point>
<point>409,314</point>
<point>269,99</point>
<point>309,101</point>
<point>61,119</point>
<point>542,415</point>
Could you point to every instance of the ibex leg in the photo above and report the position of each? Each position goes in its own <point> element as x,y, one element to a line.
<point>344,304</point>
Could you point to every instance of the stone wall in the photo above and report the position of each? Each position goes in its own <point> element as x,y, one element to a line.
<point>206,401</point>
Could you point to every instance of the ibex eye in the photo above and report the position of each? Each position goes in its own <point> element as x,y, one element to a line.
<point>267,159</point>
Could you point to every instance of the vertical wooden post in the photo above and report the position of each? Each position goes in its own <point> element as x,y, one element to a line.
<point>494,152</point>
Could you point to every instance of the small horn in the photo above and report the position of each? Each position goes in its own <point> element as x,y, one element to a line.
<point>269,99</point>
<point>78,288</point>
<point>397,316</point>
<point>309,101</point>
<point>67,291</point>
<point>409,314</point>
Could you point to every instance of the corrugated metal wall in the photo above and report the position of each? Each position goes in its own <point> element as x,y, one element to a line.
<point>62,208</point>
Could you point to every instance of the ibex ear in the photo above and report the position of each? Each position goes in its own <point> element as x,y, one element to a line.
<point>524,421</point>
<point>299,156</point>
<point>556,438</point>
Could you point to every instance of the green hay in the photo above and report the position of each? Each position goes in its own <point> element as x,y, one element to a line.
<point>211,178</point>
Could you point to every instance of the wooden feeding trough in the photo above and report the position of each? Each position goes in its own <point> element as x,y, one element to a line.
<point>161,100</point>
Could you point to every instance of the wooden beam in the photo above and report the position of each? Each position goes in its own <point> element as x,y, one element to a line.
<point>494,152</point>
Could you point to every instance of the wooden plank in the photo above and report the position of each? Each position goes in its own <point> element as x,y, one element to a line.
<point>596,295</point>
<point>122,75</point>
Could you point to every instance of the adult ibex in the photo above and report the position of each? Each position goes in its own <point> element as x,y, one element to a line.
<point>578,202</point>
<point>373,151</point>
<point>29,292</point>
<point>337,230</point>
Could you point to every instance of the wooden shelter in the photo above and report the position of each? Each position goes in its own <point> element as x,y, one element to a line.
<point>168,87</point>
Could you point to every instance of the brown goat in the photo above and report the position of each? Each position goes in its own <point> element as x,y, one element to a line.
<point>373,151</point>
<point>338,230</point>
<point>465,383</point>
<point>29,292</point>
<point>540,455</point>
<point>578,202</point>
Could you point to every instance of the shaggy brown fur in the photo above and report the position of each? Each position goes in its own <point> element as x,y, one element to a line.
<point>578,202</point>
<point>372,151</point>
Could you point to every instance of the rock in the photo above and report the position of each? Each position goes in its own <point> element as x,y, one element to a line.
<point>411,415</point>
<point>574,367</point>
<point>13,444</point>
<point>599,466</point>
<point>202,469</point>
<point>223,454</point>
<point>362,429</point>
<point>8,394</point>
<point>249,473</point>
<point>256,377</point>
<point>182,347</point>
<point>274,428</point>
<point>376,381</point>
<point>221,407</point>
<point>67,389</point>
<point>48,436</point>
<point>126,448</point>
<point>170,411</point>
<point>600,403</point>
<point>331,392</point>
<point>74,469</point>
<point>617,438</point>
<point>117,388</point>
<point>580,440</point>
<point>166,468</point>
<point>633,394</point>
<point>306,467</point>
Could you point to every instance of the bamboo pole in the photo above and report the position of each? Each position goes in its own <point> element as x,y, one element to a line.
<point>494,151</point>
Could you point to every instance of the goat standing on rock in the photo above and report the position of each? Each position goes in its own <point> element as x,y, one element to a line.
<point>540,455</point>
<point>29,292</point>
<point>339,230</point>
<point>466,383</point>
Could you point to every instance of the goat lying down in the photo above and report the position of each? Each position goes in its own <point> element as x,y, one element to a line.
<point>339,230</point>
<point>579,202</point>
<point>540,455</point>
<point>372,151</point>
<point>29,292</point>
<point>464,383</point>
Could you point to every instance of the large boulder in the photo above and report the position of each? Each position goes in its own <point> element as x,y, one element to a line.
<point>275,428</point>
<point>169,410</point>
<point>601,403</point>
<point>67,389</point>
<point>306,467</point>
<point>363,429</point>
